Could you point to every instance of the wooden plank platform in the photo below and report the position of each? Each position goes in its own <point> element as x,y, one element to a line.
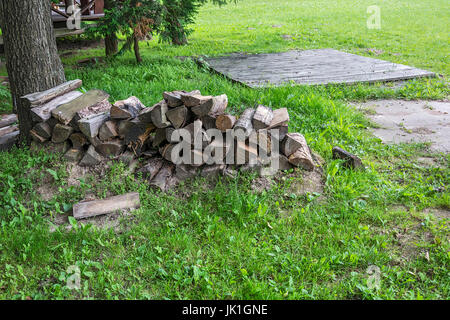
<point>310,67</point>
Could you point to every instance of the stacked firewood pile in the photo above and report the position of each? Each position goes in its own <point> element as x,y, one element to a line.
<point>88,129</point>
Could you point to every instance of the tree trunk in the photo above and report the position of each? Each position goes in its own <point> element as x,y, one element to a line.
<point>32,59</point>
<point>111,41</point>
<point>136,50</point>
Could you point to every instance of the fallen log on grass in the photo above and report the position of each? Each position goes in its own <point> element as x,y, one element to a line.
<point>350,160</point>
<point>88,209</point>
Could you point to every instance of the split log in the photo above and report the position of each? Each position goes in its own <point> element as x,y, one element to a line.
<point>108,130</point>
<point>99,108</point>
<point>50,147</point>
<point>245,153</point>
<point>245,122</point>
<point>126,109</point>
<point>194,98</point>
<point>151,169</point>
<point>302,158</point>
<point>168,154</point>
<point>185,171</point>
<point>292,142</point>
<point>163,176</point>
<point>158,115</point>
<point>67,111</point>
<point>160,137</point>
<point>208,122</point>
<point>173,98</point>
<point>123,127</point>
<point>225,122</point>
<point>37,137</point>
<point>211,155</point>
<point>262,118</point>
<point>52,122</point>
<point>88,209</point>
<point>91,124</point>
<point>350,160</point>
<point>213,106</point>
<point>138,136</point>
<point>150,153</point>
<point>169,131</point>
<point>283,163</point>
<point>43,129</point>
<point>7,120</point>
<point>44,112</point>
<point>296,149</point>
<point>179,116</point>
<point>127,157</point>
<point>137,129</point>
<point>9,129</point>
<point>198,135</point>
<point>282,132</point>
<point>145,115</point>
<point>61,133</point>
<point>91,158</point>
<point>78,140</point>
<point>47,95</point>
<point>264,141</point>
<point>74,155</point>
<point>280,118</point>
<point>95,141</point>
<point>112,148</point>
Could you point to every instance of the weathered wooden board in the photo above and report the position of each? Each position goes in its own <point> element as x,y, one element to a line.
<point>7,119</point>
<point>88,209</point>
<point>66,112</point>
<point>8,140</point>
<point>47,95</point>
<point>310,67</point>
<point>43,112</point>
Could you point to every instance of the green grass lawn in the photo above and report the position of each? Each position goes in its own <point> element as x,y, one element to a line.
<point>226,240</point>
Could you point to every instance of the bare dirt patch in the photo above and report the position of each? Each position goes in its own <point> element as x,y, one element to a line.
<point>439,213</point>
<point>312,182</point>
<point>77,172</point>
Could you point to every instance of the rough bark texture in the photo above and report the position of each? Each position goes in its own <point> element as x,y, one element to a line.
<point>111,41</point>
<point>32,59</point>
<point>137,53</point>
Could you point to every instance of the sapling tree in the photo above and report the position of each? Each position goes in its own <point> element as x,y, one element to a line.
<point>135,19</point>
<point>139,19</point>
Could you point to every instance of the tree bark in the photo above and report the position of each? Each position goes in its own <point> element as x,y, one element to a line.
<point>137,53</point>
<point>111,41</point>
<point>32,59</point>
